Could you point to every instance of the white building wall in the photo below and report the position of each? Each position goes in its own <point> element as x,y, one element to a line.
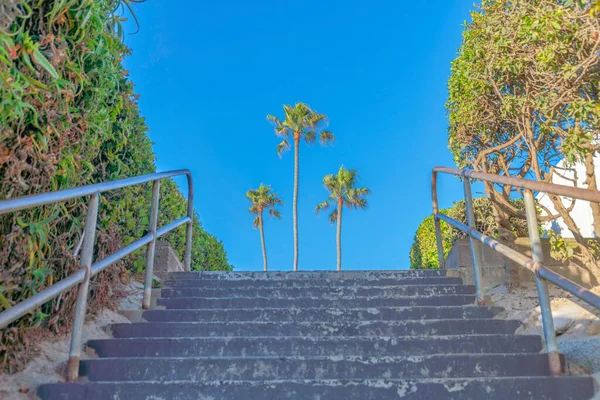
<point>581,213</point>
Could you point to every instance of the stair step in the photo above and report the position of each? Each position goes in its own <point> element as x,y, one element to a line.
<point>314,302</point>
<point>307,275</point>
<point>518,388</point>
<point>315,346</point>
<point>322,292</point>
<point>272,368</point>
<point>305,283</point>
<point>318,335</point>
<point>316,329</point>
<point>321,314</point>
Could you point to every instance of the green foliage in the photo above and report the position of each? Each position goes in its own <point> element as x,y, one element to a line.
<point>560,249</point>
<point>565,250</point>
<point>524,89</point>
<point>343,192</point>
<point>525,76</point>
<point>300,121</point>
<point>69,117</point>
<point>423,252</point>
<point>524,95</point>
<point>263,199</point>
<point>208,253</point>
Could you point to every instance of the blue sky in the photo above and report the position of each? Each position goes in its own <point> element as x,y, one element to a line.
<point>209,72</point>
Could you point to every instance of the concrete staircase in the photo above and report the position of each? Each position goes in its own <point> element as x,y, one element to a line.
<point>318,335</point>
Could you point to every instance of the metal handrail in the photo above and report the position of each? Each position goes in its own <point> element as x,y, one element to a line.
<point>535,264</point>
<point>88,268</point>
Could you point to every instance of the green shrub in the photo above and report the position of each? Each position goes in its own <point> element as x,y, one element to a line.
<point>423,252</point>
<point>69,117</point>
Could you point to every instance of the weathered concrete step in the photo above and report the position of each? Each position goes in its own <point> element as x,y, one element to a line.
<point>529,388</point>
<point>304,283</point>
<point>316,329</point>
<point>314,302</point>
<point>322,292</point>
<point>306,275</point>
<point>321,314</point>
<point>322,346</point>
<point>271,368</point>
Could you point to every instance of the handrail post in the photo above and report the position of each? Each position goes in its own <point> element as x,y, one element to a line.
<point>188,232</point>
<point>542,285</point>
<point>151,246</point>
<point>85,263</point>
<point>436,221</point>
<point>475,250</point>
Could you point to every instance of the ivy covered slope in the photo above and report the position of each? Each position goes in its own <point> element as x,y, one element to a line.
<point>423,252</point>
<point>69,117</point>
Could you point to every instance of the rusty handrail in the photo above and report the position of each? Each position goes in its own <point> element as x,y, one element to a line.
<point>535,264</point>
<point>88,268</point>
<point>535,186</point>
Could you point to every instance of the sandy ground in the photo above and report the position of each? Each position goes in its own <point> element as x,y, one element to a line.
<point>50,363</point>
<point>573,319</point>
<point>576,324</point>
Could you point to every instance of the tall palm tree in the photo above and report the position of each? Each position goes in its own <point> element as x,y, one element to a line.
<point>300,122</point>
<point>262,199</point>
<point>342,192</point>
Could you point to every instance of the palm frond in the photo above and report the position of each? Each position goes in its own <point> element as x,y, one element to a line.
<point>274,200</point>
<point>362,192</point>
<point>282,131</point>
<point>301,120</point>
<point>275,213</point>
<point>274,120</point>
<point>263,199</point>
<point>289,110</point>
<point>321,206</point>
<point>358,204</point>
<point>310,137</point>
<point>341,187</point>
<point>355,198</point>
<point>347,177</point>
<point>256,222</point>
<point>283,147</point>
<point>303,112</point>
<point>333,216</point>
<point>331,184</point>
<point>280,128</point>
<point>315,119</point>
<point>326,137</point>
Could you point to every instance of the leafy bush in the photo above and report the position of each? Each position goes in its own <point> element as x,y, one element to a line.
<point>69,117</point>
<point>423,252</point>
<point>523,102</point>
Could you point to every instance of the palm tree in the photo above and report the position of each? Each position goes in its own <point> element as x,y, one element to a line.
<point>262,199</point>
<point>300,121</point>
<point>342,191</point>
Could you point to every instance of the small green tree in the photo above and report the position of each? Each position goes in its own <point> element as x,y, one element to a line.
<point>342,192</point>
<point>524,95</point>
<point>423,252</point>
<point>262,199</point>
<point>300,122</point>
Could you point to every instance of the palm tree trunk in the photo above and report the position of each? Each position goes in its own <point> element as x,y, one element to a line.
<point>295,205</point>
<point>262,240</point>
<point>339,235</point>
